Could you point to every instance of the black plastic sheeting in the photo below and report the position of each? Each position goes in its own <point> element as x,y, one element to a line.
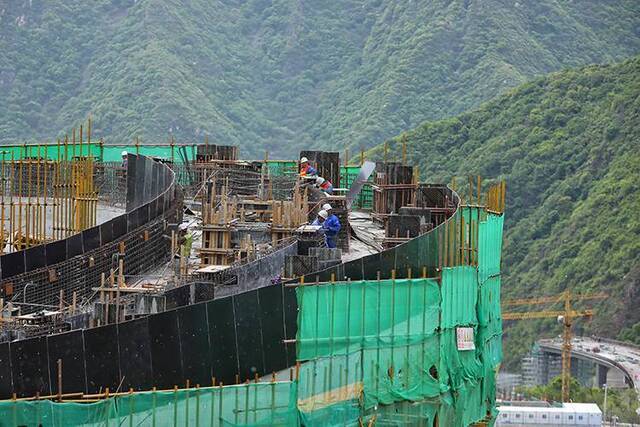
<point>165,349</point>
<point>240,334</point>
<point>69,349</point>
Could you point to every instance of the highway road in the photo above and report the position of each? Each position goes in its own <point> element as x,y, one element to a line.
<point>624,356</point>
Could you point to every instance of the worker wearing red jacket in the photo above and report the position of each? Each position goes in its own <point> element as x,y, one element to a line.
<point>324,185</point>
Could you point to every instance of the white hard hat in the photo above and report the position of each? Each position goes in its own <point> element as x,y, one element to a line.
<point>304,160</point>
<point>327,207</point>
<point>183,226</point>
<point>124,153</point>
<point>319,180</point>
<point>323,214</point>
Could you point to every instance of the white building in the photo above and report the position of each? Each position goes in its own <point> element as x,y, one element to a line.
<point>569,414</point>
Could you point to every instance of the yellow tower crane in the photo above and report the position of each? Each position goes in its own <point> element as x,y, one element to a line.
<point>564,316</point>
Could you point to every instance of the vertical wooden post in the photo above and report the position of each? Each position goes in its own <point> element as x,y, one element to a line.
<point>59,380</point>
<point>404,149</point>
<point>120,284</point>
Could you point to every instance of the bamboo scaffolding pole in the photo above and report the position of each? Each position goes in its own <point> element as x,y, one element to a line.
<point>12,208</point>
<point>19,232</point>
<point>2,214</point>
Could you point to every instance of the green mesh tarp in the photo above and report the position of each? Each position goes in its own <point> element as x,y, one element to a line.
<point>282,167</point>
<point>489,316</point>
<point>51,152</point>
<point>104,153</point>
<point>457,366</point>
<point>330,390</point>
<point>402,373</point>
<point>459,296</point>
<point>343,317</point>
<point>255,404</point>
<point>490,246</point>
<point>421,413</point>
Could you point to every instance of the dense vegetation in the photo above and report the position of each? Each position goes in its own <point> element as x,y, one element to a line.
<point>568,146</point>
<point>281,74</point>
<point>620,403</point>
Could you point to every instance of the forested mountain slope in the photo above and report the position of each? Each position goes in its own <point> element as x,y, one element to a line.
<point>280,75</point>
<point>568,146</point>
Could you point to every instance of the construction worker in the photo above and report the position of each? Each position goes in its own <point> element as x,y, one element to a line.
<point>319,219</point>
<point>324,185</point>
<point>331,227</point>
<point>327,207</point>
<point>306,169</point>
<point>124,159</point>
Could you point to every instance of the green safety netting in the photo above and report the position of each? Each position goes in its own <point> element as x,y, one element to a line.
<point>489,316</point>
<point>330,390</point>
<point>490,246</point>
<point>254,404</point>
<point>421,413</point>
<point>459,289</point>
<point>113,153</point>
<point>345,316</point>
<point>282,167</point>
<point>402,373</point>
<point>52,152</point>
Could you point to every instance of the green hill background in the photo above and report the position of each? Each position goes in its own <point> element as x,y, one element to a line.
<point>568,146</point>
<point>281,75</point>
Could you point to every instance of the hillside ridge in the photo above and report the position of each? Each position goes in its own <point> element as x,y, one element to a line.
<point>280,75</point>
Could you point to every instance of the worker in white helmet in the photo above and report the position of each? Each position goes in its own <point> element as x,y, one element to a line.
<point>306,169</point>
<point>324,185</point>
<point>322,215</point>
<point>331,226</point>
<point>327,207</point>
<point>124,159</point>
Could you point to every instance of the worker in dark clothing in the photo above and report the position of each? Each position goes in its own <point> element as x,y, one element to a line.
<point>306,169</point>
<point>330,227</point>
<point>324,185</point>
